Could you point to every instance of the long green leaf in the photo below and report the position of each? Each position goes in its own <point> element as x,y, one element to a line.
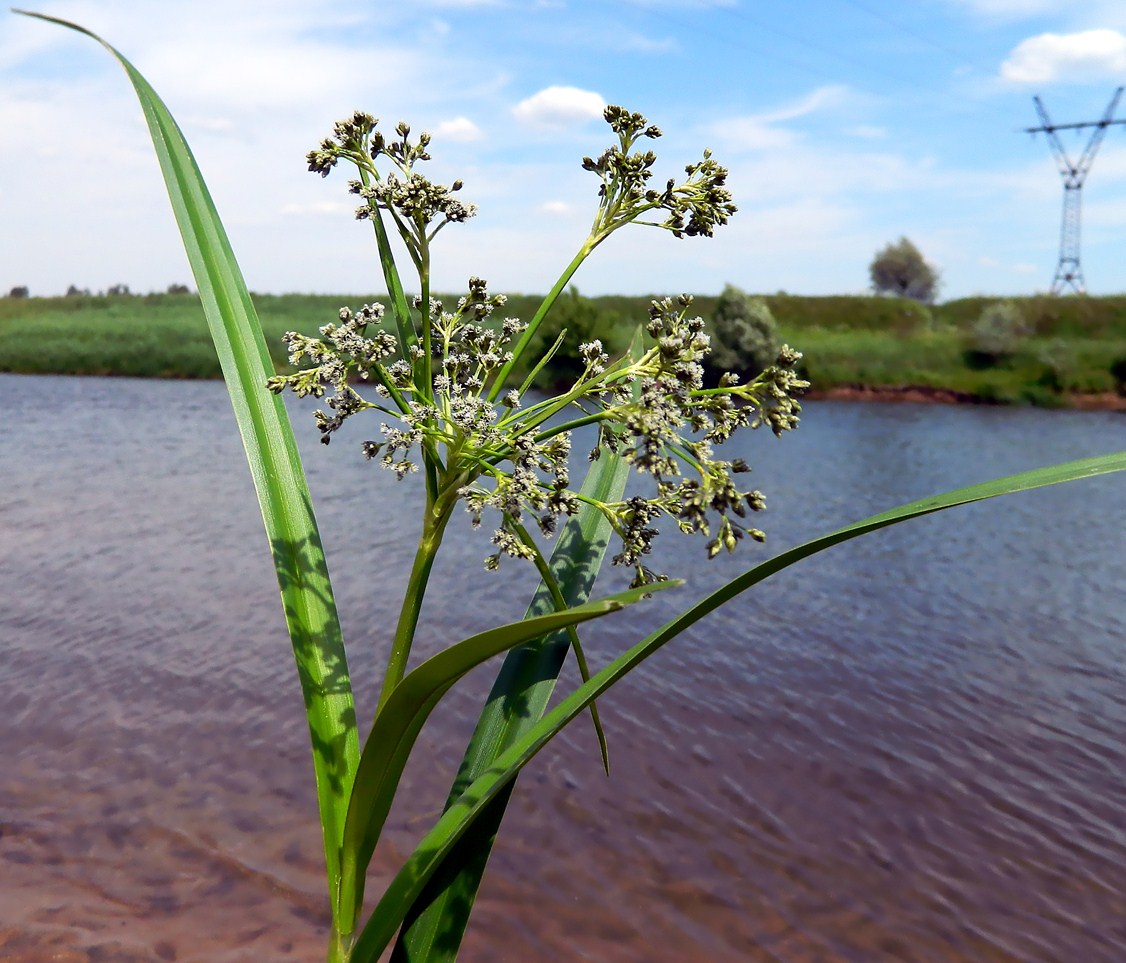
<point>393,734</point>
<point>435,846</point>
<point>435,926</point>
<point>310,609</point>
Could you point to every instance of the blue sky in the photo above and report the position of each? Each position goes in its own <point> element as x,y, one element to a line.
<point>845,124</point>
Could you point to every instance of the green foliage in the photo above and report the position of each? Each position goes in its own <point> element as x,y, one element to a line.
<point>996,335</point>
<point>901,269</point>
<point>1118,372</point>
<point>1058,360</point>
<point>744,333</point>
<point>871,341</point>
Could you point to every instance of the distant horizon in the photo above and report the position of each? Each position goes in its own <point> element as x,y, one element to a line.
<point>655,293</point>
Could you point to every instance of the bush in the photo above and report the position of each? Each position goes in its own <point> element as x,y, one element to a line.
<point>744,334</point>
<point>118,291</point>
<point>1059,363</point>
<point>179,289</point>
<point>19,292</point>
<point>1118,373</point>
<point>76,292</point>
<point>996,335</point>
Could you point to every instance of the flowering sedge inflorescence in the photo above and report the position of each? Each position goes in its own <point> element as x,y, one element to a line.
<point>440,378</point>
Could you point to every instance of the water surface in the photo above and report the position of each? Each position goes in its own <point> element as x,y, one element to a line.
<point>911,748</point>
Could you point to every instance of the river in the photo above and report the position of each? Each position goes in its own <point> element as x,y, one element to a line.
<point>910,748</point>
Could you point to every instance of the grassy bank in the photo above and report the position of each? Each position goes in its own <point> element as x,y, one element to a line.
<point>1068,345</point>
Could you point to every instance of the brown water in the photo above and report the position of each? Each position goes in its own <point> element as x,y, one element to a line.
<point>911,748</point>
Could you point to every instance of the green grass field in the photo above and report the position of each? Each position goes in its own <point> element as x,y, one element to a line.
<point>848,341</point>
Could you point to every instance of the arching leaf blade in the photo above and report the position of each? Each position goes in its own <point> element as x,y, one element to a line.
<point>463,813</point>
<point>275,465</point>
<point>398,723</point>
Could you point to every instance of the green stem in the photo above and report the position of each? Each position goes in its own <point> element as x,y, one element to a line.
<point>525,339</point>
<point>560,603</point>
<point>434,525</point>
<point>426,387</point>
<point>399,304</point>
<point>592,419</point>
<point>339,946</point>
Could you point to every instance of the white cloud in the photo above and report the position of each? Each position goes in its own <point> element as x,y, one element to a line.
<point>460,130</point>
<point>556,208</point>
<point>1054,56</point>
<point>560,106</point>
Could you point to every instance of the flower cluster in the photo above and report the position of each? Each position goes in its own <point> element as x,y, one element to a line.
<point>694,208</point>
<point>412,200</point>
<point>439,377</point>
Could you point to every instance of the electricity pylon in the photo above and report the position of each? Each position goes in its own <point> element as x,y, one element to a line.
<point>1069,272</point>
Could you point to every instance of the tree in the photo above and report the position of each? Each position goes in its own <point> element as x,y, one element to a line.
<point>744,333</point>
<point>18,292</point>
<point>902,270</point>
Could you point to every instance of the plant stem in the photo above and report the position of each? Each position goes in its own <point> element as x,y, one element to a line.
<point>399,304</point>
<point>339,946</point>
<point>560,603</point>
<point>521,345</point>
<point>433,526</point>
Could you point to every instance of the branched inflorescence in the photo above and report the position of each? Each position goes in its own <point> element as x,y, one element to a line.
<point>438,377</point>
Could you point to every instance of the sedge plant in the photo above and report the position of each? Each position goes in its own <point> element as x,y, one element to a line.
<point>434,382</point>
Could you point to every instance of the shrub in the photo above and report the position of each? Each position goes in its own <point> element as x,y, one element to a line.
<point>996,335</point>
<point>1118,372</point>
<point>76,292</point>
<point>1058,360</point>
<point>744,333</point>
<point>19,292</point>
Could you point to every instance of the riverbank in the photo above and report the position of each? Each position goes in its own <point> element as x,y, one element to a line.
<point>1104,401</point>
<point>855,348</point>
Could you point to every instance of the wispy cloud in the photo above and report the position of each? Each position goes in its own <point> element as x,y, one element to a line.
<point>685,4</point>
<point>1013,9</point>
<point>762,131</point>
<point>639,43</point>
